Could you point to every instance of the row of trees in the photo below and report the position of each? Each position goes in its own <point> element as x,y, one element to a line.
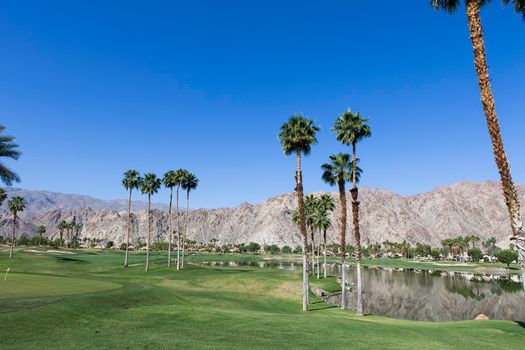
<point>149,184</point>
<point>297,136</point>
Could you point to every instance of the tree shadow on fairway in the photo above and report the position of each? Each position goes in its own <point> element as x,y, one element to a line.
<point>71,260</point>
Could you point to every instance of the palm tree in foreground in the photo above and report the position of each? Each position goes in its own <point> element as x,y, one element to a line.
<point>130,182</point>
<point>297,136</point>
<point>350,129</point>
<point>338,172</point>
<point>149,184</point>
<point>15,205</point>
<point>170,181</point>
<point>487,101</point>
<point>326,204</point>
<point>189,184</point>
<point>8,149</point>
<point>180,175</point>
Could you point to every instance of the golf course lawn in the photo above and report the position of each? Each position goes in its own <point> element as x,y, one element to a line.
<point>87,300</point>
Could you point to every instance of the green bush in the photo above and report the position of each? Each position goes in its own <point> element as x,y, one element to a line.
<point>475,254</point>
<point>272,249</point>
<point>286,249</point>
<point>507,256</point>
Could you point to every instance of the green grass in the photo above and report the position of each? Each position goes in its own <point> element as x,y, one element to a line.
<point>88,301</point>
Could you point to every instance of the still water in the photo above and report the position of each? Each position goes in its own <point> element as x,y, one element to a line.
<point>425,295</point>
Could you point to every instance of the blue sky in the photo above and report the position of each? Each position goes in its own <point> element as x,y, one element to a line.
<point>92,89</point>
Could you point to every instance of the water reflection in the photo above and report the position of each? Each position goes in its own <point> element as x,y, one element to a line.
<point>426,295</point>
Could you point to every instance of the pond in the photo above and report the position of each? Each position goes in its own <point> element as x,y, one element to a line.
<point>424,295</point>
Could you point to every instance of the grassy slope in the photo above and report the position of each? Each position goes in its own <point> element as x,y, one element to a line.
<point>204,308</point>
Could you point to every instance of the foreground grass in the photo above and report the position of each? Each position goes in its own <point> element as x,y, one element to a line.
<point>88,301</point>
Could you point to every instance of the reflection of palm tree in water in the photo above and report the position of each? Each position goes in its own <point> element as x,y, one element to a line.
<point>458,285</point>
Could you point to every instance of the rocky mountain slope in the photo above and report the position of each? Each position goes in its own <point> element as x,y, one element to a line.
<point>460,209</point>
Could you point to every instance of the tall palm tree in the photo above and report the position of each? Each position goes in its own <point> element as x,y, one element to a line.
<point>15,205</point>
<point>487,101</point>
<point>337,172</point>
<point>297,136</point>
<point>189,184</point>
<point>170,181</point>
<point>62,226</point>
<point>40,230</point>
<point>130,181</point>
<point>350,129</point>
<point>149,184</point>
<point>8,149</point>
<point>326,203</point>
<point>180,175</point>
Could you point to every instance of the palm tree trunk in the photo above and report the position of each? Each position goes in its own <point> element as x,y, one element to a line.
<point>342,240</point>
<point>487,101</point>
<point>324,253</point>
<point>185,228</point>
<point>355,220</point>
<point>170,229</point>
<point>13,236</point>
<point>302,227</point>
<point>178,229</point>
<point>129,229</point>
<point>318,253</point>
<point>149,232</point>
<point>313,249</point>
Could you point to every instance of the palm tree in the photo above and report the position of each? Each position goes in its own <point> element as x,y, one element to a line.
<point>15,205</point>
<point>338,172</point>
<point>130,181</point>
<point>40,230</point>
<point>189,184</point>
<point>487,101</point>
<point>170,180</point>
<point>8,149</point>
<point>3,196</point>
<point>326,202</point>
<point>350,129</point>
<point>310,204</point>
<point>149,184</point>
<point>297,136</point>
<point>62,225</point>
<point>180,175</point>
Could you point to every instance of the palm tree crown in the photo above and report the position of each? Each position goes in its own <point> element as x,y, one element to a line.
<point>130,181</point>
<point>350,128</point>
<point>298,135</point>
<point>170,179</point>
<point>8,149</point>
<point>452,5</point>
<point>339,169</point>
<point>16,204</point>
<point>3,196</point>
<point>149,184</point>
<point>190,182</point>
<point>326,202</point>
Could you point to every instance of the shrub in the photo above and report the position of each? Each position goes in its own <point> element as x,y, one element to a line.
<point>23,240</point>
<point>435,254</point>
<point>475,254</point>
<point>272,249</point>
<point>507,256</point>
<point>286,249</point>
<point>298,249</point>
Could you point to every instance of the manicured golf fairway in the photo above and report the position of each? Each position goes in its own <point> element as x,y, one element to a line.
<point>88,301</point>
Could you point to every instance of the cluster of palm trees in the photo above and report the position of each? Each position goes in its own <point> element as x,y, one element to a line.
<point>317,213</point>
<point>149,184</point>
<point>72,230</point>
<point>297,136</point>
<point>458,245</point>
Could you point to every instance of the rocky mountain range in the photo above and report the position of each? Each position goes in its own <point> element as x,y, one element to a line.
<point>461,209</point>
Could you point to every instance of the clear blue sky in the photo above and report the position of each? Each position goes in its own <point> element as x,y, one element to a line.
<point>92,89</point>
